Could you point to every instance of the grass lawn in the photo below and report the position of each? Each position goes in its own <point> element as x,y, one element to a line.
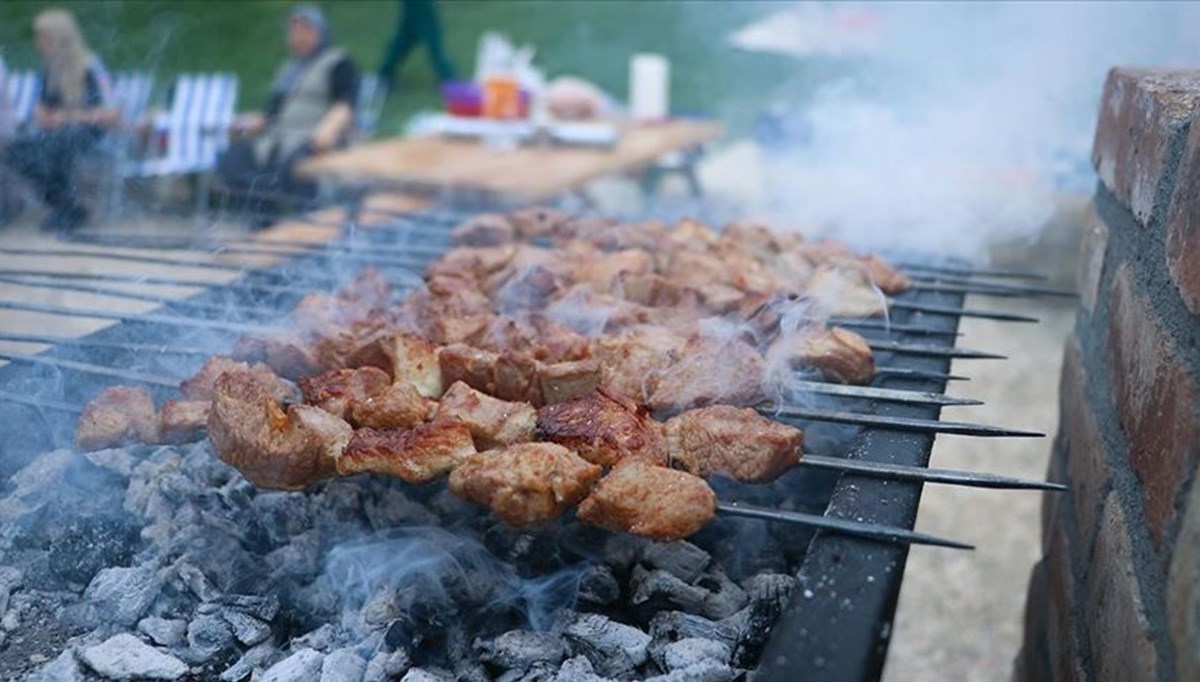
<point>589,38</point>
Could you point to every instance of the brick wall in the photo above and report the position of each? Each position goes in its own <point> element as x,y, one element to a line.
<point>1117,593</point>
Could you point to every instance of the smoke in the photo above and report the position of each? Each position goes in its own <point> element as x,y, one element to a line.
<point>965,124</point>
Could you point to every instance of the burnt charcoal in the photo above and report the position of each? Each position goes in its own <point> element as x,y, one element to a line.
<point>520,650</point>
<point>578,669</point>
<point>122,595</point>
<point>681,559</point>
<point>322,639</point>
<point>65,668</point>
<point>299,561</point>
<point>82,546</point>
<point>11,579</point>
<point>766,553</point>
<point>423,632</point>
<point>262,607</point>
<point>654,591</point>
<point>688,652</point>
<point>208,637</point>
<point>381,609</point>
<point>163,631</point>
<point>281,515</point>
<point>343,665</point>
<point>120,461</point>
<point>246,629</point>
<point>387,665</point>
<point>125,657</point>
<point>392,508</point>
<point>197,582</point>
<point>428,675</point>
<point>671,626</point>
<point>230,567</point>
<point>615,649</point>
<point>304,664</point>
<point>244,667</point>
<point>598,587</point>
<point>724,597</point>
<point>704,671</point>
<point>622,550</point>
<point>769,594</point>
<point>540,672</point>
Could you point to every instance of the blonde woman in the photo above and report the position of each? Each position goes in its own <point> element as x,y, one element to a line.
<point>71,117</point>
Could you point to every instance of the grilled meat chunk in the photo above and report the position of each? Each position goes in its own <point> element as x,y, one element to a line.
<point>517,377</point>
<point>632,359</point>
<point>566,380</point>
<point>420,455</point>
<point>889,280</point>
<point>838,354</point>
<point>399,406</point>
<point>493,422</point>
<point>733,442</point>
<point>652,501</point>
<point>273,448</point>
<point>845,290</point>
<point>485,229</point>
<point>537,221</point>
<point>118,415</point>
<point>711,372</point>
<point>336,390</point>
<point>200,385</point>
<point>603,428</point>
<point>182,421</point>
<point>289,357</point>
<point>525,483</point>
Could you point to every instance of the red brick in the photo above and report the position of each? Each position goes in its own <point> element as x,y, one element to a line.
<point>1183,226</point>
<point>1183,591</point>
<point>1155,400</point>
<point>1116,617</point>
<point>1091,258</point>
<point>1087,457</point>
<point>1144,113</point>
<point>1061,634</point>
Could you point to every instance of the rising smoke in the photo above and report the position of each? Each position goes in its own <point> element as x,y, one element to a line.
<point>968,123</point>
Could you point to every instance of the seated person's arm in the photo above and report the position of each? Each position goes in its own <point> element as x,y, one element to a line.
<point>337,121</point>
<point>48,117</point>
<point>93,112</point>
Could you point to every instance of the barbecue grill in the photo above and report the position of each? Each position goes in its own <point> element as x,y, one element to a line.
<point>835,623</point>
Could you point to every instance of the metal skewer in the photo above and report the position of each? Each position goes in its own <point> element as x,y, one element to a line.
<point>884,394</point>
<point>916,374</point>
<point>896,423</point>
<point>255,247</point>
<point>985,288</point>
<point>933,351</point>
<point>236,284</point>
<point>968,271</point>
<point>89,368</point>
<point>42,403</point>
<point>959,312</point>
<point>888,326</point>
<point>153,318</point>
<point>903,472</point>
<point>183,304</point>
<point>836,525</point>
<point>69,342</point>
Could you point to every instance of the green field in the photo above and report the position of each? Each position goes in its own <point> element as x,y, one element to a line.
<point>589,38</point>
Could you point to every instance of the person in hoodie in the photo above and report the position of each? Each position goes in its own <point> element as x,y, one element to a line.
<point>310,111</point>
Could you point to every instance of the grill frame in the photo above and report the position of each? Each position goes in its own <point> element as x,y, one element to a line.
<point>818,637</point>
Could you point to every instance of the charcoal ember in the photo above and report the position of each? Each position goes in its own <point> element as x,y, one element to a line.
<point>704,671</point>
<point>263,607</point>
<point>196,581</point>
<point>681,559</point>
<point>621,551</point>
<point>391,508</point>
<point>281,515</point>
<point>668,627</point>
<point>125,657</point>
<point>254,659</point>
<point>769,594</point>
<point>688,652</point>
<point>49,492</point>
<point>343,665</point>
<point>381,609</point>
<point>340,503</point>
<point>208,637</point>
<point>578,669</point>
<point>122,595</point>
<point>322,639</point>
<point>120,461</point>
<point>64,668</point>
<point>540,672</point>
<point>299,561</point>
<point>387,665</point>
<point>423,631</point>
<point>520,650</point>
<point>598,587</point>
<point>246,629</point>
<point>168,632</point>
<point>304,664</point>
<point>615,649</point>
<point>654,591</point>
<point>84,545</point>
<point>159,487</point>
<point>723,597</point>
<point>11,580</point>
<point>428,675</point>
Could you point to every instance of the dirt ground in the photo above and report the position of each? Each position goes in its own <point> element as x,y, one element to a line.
<point>960,613</point>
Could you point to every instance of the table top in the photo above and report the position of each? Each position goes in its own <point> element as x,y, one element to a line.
<point>528,173</point>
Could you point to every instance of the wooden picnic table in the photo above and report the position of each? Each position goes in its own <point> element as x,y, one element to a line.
<point>522,175</point>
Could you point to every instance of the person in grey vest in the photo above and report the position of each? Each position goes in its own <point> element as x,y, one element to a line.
<point>310,111</point>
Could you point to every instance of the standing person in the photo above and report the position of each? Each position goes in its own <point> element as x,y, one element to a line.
<point>9,203</point>
<point>310,111</point>
<point>71,117</point>
<point>417,23</point>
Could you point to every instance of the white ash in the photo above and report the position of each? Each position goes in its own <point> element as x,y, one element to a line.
<point>305,664</point>
<point>125,657</point>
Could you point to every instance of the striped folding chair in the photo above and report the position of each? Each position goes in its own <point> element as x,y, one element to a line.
<point>194,130</point>
<point>24,88</point>
<point>116,156</point>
